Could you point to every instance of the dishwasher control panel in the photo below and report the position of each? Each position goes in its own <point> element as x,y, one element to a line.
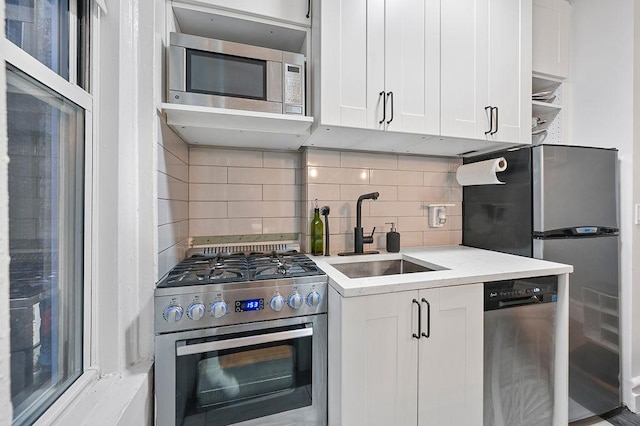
<point>520,292</point>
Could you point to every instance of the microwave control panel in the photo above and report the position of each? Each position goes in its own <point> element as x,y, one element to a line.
<point>293,97</point>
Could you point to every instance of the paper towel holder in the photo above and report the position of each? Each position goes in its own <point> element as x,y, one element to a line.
<point>438,214</point>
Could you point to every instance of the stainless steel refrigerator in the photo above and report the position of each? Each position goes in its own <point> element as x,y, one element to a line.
<point>560,203</point>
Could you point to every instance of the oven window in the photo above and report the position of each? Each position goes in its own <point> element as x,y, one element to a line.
<point>233,385</point>
<point>226,75</point>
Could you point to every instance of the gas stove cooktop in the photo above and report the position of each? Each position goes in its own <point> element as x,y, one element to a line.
<point>208,290</point>
<point>239,267</point>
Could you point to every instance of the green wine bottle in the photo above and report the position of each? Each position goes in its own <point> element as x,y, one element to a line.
<point>316,232</point>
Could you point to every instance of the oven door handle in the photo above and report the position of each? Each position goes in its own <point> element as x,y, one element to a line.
<point>219,345</point>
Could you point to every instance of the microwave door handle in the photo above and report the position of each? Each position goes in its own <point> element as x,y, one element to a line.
<point>239,342</point>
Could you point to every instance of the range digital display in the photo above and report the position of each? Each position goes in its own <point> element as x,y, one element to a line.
<point>249,305</point>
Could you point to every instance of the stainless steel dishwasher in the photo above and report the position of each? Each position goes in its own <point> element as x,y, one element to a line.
<point>519,329</point>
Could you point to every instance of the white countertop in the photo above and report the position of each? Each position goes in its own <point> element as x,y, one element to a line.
<point>464,265</point>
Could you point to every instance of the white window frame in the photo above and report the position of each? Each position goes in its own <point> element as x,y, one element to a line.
<point>35,69</point>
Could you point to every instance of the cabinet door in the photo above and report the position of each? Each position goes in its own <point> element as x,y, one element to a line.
<point>294,11</point>
<point>551,37</point>
<point>450,359</point>
<point>352,62</point>
<point>464,68</point>
<point>412,65</point>
<point>510,68</point>
<point>378,360</point>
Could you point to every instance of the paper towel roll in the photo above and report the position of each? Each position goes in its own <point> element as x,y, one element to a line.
<point>482,172</point>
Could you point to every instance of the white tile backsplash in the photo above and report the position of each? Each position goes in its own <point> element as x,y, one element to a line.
<point>224,157</point>
<point>232,192</point>
<point>395,177</point>
<point>262,208</point>
<point>281,192</point>
<point>222,192</point>
<point>207,174</point>
<point>207,210</point>
<point>261,175</point>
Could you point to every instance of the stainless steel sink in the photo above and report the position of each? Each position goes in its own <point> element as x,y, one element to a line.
<point>379,268</point>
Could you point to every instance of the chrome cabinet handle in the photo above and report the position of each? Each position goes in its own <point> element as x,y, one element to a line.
<point>219,345</point>
<point>428,319</point>
<point>417,336</point>
<point>384,106</point>
<point>390,94</point>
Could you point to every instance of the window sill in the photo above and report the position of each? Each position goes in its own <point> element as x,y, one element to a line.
<point>119,399</point>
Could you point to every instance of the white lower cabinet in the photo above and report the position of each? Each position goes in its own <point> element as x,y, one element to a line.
<point>380,373</point>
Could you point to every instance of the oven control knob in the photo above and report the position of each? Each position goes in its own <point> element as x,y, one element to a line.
<point>295,300</point>
<point>277,303</point>
<point>196,311</point>
<point>219,309</point>
<point>173,313</point>
<point>313,298</point>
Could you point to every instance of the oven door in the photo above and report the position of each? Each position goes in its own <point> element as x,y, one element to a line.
<point>265,373</point>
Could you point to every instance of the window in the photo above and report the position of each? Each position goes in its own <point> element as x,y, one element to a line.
<point>47,136</point>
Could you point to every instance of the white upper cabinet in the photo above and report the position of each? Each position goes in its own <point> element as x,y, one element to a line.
<point>486,70</point>
<point>442,78</point>
<point>378,65</point>
<point>292,11</point>
<point>551,37</point>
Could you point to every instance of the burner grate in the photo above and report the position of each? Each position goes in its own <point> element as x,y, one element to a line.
<point>226,267</point>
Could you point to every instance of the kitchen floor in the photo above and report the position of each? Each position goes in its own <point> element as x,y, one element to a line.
<point>623,418</point>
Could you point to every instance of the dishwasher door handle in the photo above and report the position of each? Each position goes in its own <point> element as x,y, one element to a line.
<point>533,300</point>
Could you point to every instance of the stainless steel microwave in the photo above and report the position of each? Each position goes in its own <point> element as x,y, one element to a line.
<point>223,74</point>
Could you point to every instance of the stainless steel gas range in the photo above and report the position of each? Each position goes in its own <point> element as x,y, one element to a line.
<point>241,338</point>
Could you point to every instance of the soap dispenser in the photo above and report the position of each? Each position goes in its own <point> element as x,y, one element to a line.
<point>393,239</point>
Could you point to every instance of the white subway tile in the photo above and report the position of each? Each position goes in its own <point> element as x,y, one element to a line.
<point>455,194</point>
<point>395,177</point>
<point>367,160</point>
<point>323,158</point>
<point>337,175</point>
<point>454,163</point>
<point>439,179</point>
<point>423,193</point>
<point>275,225</point>
<point>412,223</point>
<point>170,257</point>
<point>323,192</point>
<point>207,174</point>
<point>262,209</point>
<point>423,163</point>
<point>172,189</point>
<point>213,227</point>
<point>455,222</point>
<point>353,192</point>
<point>261,176</point>
<point>281,192</point>
<point>221,192</point>
<point>282,160</point>
<point>171,233</point>
<point>224,157</point>
<point>455,237</point>
<point>400,208</point>
<point>410,239</point>
<point>207,209</point>
<point>436,238</point>
<point>171,165</point>
<point>172,211</point>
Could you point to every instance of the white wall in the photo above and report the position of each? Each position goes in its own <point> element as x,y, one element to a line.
<point>601,114</point>
<point>5,392</point>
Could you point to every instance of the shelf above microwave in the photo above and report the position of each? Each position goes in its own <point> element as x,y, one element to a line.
<point>199,125</point>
